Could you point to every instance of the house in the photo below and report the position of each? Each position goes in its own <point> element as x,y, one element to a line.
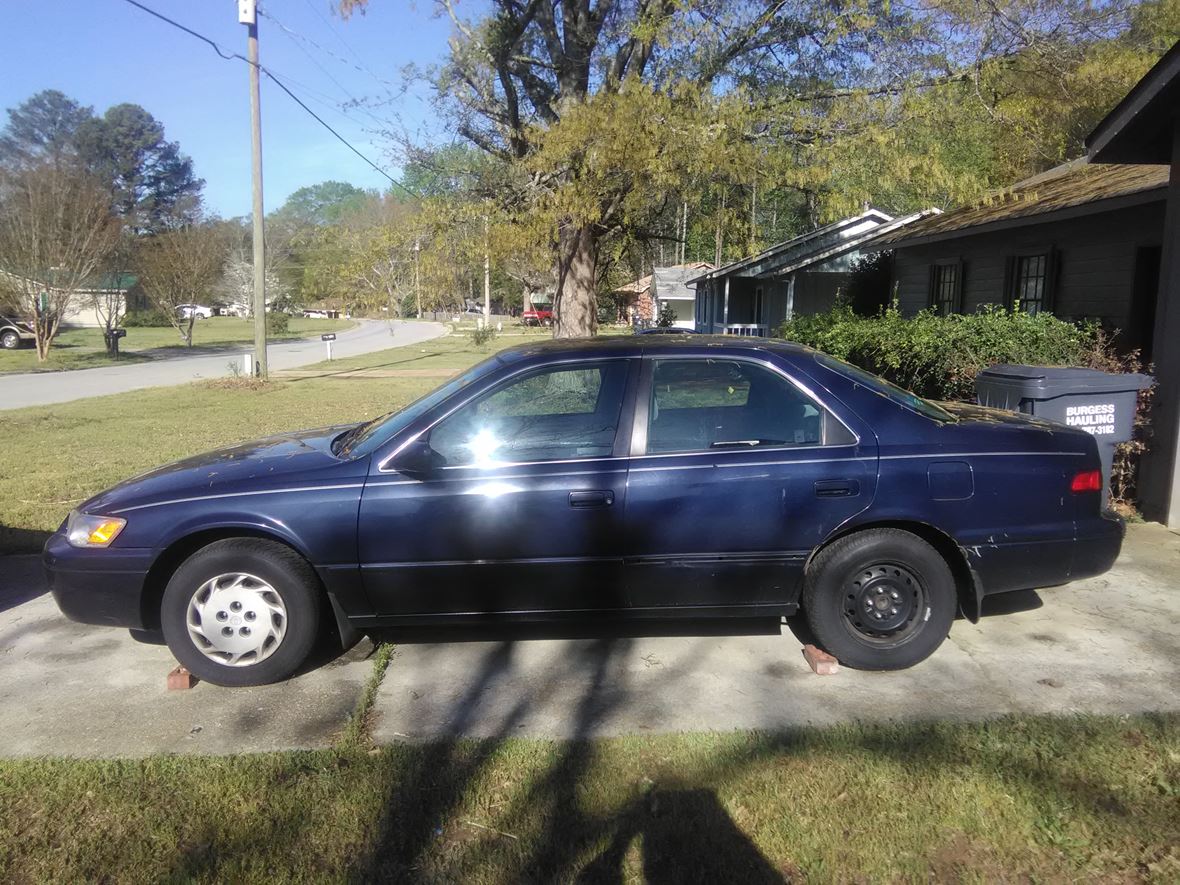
<point>1081,241</point>
<point>1144,128</point>
<point>641,300</point>
<point>120,293</point>
<point>113,292</point>
<point>800,276</point>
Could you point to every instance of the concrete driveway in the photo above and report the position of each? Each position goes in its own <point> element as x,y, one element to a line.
<point>71,690</point>
<point>1107,645</point>
<point>43,388</point>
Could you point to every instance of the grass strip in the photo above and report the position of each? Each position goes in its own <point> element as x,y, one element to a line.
<point>356,734</point>
<point>1016,799</point>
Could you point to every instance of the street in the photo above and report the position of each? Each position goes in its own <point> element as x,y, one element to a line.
<point>44,388</point>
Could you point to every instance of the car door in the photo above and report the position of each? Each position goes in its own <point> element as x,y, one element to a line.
<point>738,472</point>
<point>523,510</point>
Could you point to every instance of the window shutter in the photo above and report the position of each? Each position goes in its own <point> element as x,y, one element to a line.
<point>932,286</point>
<point>1009,300</point>
<point>960,270</point>
<point>1052,262</point>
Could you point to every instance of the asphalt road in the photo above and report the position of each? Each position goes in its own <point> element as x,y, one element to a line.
<point>43,388</point>
<point>1104,645</point>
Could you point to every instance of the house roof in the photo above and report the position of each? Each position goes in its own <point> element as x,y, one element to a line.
<point>817,246</point>
<point>642,284</point>
<point>757,265</point>
<point>1076,188</point>
<point>1139,128</point>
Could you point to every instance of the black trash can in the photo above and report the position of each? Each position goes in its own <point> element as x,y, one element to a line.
<point>1101,403</point>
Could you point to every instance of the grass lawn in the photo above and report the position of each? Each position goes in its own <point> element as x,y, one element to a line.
<point>1021,799</point>
<point>84,349</point>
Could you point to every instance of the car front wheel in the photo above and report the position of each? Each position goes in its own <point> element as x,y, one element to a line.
<point>242,611</point>
<point>881,599</point>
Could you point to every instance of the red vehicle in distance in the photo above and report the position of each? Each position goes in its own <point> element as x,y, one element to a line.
<point>537,316</point>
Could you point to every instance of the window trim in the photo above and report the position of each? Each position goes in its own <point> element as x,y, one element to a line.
<point>622,431</point>
<point>1051,256</point>
<point>643,406</point>
<point>932,290</point>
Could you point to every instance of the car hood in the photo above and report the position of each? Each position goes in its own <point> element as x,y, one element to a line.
<point>286,459</point>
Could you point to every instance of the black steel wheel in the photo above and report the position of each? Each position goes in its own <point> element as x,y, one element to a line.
<point>880,599</point>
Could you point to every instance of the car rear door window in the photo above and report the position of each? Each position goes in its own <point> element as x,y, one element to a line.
<point>708,404</point>
<point>560,413</point>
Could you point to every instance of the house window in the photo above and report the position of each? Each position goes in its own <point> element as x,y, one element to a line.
<point>946,286</point>
<point>1030,282</point>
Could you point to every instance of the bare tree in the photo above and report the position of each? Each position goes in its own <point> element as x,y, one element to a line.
<point>181,266</point>
<point>56,230</point>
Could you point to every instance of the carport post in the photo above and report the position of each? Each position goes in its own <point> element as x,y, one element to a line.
<point>1167,353</point>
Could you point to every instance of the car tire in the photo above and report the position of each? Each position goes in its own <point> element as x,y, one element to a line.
<point>256,589</point>
<point>879,599</point>
<point>10,340</point>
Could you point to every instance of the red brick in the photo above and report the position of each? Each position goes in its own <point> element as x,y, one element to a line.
<point>821,663</point>
<point>180,679</point>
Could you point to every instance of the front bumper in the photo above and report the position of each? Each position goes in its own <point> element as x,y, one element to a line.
<point>97,586</point>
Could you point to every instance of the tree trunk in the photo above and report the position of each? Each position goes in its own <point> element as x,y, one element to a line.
<point>575,309</point>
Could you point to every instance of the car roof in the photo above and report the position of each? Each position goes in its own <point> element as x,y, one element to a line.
<point>640,345</point>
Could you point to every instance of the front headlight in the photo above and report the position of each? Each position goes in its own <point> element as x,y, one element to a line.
<point>84,530</point>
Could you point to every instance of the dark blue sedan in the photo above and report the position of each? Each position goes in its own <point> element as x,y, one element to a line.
<point>640,477</point>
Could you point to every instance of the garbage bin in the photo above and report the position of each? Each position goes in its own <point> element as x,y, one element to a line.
<point>1101,403</point>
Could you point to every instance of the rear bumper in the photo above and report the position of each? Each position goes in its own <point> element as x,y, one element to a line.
<point>1049,562</point>
<point>97,586</point>
<point>1100,540</point>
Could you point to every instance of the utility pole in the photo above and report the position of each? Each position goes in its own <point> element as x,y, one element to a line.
<point>247,15</point>
<point>487,272</point>
<point>417,287</point>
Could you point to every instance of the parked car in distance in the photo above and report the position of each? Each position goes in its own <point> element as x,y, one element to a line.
<point>537,316</point>
<point>14,333</point>
<point>641,477</point>
<point>315,314</point>
<point>198,311</point>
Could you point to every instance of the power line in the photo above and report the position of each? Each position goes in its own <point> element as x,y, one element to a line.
<point>298,40</point>
<point>277,82</point>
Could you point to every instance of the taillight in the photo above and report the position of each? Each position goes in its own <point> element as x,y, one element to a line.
<point>1086,481</point>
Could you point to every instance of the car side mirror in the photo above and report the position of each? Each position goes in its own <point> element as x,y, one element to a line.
<point>417,460</point>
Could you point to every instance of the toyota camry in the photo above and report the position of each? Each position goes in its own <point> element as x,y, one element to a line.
<point>643,477</point>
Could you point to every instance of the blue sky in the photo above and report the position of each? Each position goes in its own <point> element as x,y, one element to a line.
<point>103,52</point>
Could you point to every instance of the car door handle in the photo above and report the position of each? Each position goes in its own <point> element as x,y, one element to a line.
<point>837,488</point>
<point>595,498</point>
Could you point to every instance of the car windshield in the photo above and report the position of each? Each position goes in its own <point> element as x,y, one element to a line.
<point>887,389</point>
<point>364,438</point>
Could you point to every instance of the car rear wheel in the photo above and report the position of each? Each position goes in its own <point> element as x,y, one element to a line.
<point>10,340</point>
<point>881,599</point>
<point>242,611</point>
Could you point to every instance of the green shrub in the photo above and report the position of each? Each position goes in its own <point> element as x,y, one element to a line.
<point>144,318</point>
<point>667,317</point>
<point>482,335</point>
<point>277,323</point>
<point>939,356</point>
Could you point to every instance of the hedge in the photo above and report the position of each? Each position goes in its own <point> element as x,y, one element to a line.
<point>939,356</point>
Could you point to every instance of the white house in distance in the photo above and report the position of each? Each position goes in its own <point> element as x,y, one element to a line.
<point>800,276</point>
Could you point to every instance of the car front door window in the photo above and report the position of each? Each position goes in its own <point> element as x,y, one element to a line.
<point>563,413</point>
